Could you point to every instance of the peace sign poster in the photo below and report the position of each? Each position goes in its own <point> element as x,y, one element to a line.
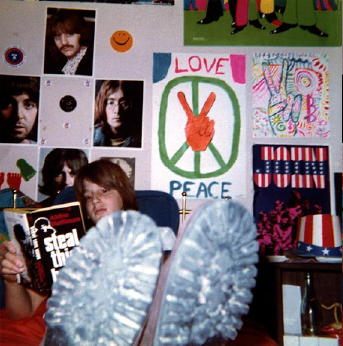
<point>198,116</point>
<point>290,95</point>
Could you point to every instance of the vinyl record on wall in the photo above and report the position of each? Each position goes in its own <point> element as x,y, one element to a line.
<point>67,115</point>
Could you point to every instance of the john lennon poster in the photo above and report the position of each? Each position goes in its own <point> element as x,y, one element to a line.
<point>198,103</point>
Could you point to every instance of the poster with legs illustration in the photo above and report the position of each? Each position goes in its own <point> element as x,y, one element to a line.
<point>263,22</point>
<point>198,108</point>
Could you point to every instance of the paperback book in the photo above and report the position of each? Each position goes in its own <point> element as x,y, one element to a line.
<point>45,238</point>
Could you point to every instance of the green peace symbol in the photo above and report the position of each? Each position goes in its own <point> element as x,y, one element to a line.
<point>171,162</point>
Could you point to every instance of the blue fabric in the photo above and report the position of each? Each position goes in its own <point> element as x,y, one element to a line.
<point>159,205</point>
<point>311,250</point>
<point>6,201</point>
<point>65,196</point>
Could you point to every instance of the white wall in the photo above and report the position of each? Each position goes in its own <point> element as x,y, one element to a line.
<point>155,29</point>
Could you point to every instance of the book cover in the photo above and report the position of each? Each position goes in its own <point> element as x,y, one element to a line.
<point>45,237</point>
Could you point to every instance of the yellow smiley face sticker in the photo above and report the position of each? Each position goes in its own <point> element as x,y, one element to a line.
<point>121,41</point>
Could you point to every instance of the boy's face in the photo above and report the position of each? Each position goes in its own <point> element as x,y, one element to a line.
<point>100,201</point>
<point>68,44</point>
<point>22,113</point>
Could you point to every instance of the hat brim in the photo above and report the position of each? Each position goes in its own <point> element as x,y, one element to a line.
<point>300,253</point>
<point>311,250</point>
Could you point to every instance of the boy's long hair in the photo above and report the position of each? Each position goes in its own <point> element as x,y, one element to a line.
<point>108,175</point>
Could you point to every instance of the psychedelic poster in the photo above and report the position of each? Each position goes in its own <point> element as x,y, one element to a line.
<point>290,96</point>
<point>198,108</point>
<point>289,181</point>
<point>263,23</point>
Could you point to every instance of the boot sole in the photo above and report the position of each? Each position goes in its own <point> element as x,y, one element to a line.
<point>211,275</point>
<point>102,295</point>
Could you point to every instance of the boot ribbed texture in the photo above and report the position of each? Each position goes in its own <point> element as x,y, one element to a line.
<point>102,295</point>
<point>210,279</point>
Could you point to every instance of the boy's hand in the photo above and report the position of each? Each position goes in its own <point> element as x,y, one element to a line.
<point>10,263</point>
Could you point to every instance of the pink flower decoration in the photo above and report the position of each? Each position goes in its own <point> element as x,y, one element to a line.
<point>277,228</point>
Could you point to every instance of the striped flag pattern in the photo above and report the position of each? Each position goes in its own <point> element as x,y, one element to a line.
<point>294,166</point>
<point>319,235</point>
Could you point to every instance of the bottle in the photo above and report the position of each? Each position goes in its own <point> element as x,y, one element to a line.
<point>310,309</point>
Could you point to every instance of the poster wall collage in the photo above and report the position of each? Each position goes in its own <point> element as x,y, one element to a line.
<point>213,99</point>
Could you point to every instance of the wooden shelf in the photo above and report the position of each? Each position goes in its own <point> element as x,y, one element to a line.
<point>267,306</point>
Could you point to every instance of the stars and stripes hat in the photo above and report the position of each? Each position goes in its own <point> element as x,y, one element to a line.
<point>319,235</point>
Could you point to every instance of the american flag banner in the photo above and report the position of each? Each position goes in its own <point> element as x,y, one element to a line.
<point>280,169</point>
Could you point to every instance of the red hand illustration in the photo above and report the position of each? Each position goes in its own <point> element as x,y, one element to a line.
<point>199,129</point>
<point>14,180</point>
<point>2,178</point>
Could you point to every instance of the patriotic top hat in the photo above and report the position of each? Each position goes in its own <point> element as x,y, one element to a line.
<point>319,235</point>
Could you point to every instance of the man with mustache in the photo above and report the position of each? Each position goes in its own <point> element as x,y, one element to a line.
<point>68,45</point>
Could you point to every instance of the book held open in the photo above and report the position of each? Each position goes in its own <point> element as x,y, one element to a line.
<point>45,237</point>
